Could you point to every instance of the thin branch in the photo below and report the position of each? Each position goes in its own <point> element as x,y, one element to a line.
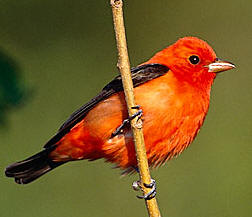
<point>136,125</point>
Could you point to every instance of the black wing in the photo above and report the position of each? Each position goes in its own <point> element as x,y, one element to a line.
<point>140,75</point>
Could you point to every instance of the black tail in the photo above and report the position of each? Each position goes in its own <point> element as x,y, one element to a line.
<point>32,168</point>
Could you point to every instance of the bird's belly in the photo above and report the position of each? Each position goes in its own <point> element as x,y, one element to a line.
<point>169,126</point>
<point>171,137</point>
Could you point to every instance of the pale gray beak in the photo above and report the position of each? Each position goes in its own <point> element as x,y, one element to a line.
<point>220,66</point>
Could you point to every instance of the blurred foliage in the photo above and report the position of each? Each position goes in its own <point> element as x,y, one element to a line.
<point>12,89</point>
<point>67,52</point>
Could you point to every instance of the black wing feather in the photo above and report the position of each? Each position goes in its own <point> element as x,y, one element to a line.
<point>140,75</point>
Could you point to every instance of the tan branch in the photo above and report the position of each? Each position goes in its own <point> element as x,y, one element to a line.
<point>124,66</point>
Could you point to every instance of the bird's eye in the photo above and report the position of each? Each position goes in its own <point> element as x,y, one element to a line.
<point>194,59</point>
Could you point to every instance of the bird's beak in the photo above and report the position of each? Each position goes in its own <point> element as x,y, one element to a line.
<point>220,66</point>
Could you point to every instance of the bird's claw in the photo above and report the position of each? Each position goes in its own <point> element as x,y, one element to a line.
<point>151,194</point>
<point>138,114</point>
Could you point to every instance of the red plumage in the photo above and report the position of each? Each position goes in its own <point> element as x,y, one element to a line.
<point>174,106</point>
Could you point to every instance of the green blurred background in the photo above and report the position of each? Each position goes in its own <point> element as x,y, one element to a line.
<point>66,53</point>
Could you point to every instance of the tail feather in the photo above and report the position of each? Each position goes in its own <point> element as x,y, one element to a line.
<point>31,168</point>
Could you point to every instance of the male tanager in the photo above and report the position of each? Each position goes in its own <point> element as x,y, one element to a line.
<point>173,91</point>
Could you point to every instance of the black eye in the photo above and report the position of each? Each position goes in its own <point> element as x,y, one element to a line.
<point>194,59</point>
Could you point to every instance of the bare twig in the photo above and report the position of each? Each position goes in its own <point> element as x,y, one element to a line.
<point>136,125</point>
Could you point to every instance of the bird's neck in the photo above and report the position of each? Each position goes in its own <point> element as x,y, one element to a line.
<point>202,83</point>
<point>197,92</point>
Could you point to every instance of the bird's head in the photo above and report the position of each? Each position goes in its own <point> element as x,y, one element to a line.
<point>192,60</point>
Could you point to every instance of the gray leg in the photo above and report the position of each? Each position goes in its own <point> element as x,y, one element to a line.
<point>138,114</point>
<point>149,195</point>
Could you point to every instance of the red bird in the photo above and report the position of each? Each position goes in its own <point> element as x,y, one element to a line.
<point>173,90</point>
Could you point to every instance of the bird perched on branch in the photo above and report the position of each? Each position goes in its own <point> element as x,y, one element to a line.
<point>173,91</point>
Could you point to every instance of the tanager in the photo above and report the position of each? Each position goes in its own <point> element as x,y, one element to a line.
<point>173,91</point>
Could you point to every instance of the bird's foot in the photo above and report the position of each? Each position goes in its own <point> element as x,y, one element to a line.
<point>125,122</point>
<point>151,194</point>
